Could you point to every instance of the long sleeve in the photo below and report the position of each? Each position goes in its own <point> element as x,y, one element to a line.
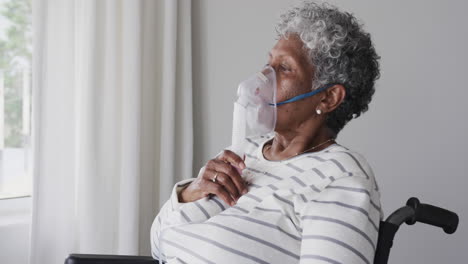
<point>340,225</point>
<point>173,213</point>
<point>169,207</point>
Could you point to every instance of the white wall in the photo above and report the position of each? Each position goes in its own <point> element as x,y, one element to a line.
<point>414,135</point>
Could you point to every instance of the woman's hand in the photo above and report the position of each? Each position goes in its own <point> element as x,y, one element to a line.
<point>228,186</point>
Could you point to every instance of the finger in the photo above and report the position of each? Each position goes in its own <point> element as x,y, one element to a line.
<point>227,183</point>
<point>222,179</point>
<point>219,191</point>
<point>201,172</point>
<point>232,158</point>
<point>230,171</point>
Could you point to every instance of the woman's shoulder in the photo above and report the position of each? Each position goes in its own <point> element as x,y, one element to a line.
<point>348,160</point>
<point>336,161</point>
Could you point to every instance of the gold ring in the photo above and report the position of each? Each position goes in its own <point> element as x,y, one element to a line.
<point>214,178</point>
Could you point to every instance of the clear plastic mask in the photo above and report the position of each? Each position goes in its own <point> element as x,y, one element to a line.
<point>255,107</point>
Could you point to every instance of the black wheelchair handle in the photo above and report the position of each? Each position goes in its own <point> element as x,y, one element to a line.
<point>433,215</point>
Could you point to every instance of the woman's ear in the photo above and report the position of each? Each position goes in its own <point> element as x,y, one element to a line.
<point>332,98</point>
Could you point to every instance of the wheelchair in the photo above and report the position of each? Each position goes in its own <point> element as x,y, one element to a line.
<point>412,212</point>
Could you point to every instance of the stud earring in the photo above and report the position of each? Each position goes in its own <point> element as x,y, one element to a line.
<point>318,111</point>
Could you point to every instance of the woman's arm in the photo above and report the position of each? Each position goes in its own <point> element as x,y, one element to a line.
<point>168,215</point>
<point>341,224</point>
<point>191,200</point>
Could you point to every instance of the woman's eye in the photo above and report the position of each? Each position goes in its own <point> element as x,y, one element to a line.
<point>284,68</point>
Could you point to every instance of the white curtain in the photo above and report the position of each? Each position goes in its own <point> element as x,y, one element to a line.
<point>112,121</point>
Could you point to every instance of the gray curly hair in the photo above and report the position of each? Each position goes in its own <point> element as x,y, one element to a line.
<point>340,51</point>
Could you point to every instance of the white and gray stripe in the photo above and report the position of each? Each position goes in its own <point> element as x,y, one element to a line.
<point>221,246</point>
<point>338,242</point>
<point>311,209</point>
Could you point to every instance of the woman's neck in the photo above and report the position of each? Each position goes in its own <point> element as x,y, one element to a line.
<point>288,144</point>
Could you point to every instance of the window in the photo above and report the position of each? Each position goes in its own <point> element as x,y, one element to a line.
<point>15,98</point>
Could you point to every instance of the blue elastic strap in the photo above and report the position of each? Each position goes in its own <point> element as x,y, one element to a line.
<point>302,96</point>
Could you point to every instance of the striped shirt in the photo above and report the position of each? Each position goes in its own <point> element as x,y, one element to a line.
<point>320,207</point>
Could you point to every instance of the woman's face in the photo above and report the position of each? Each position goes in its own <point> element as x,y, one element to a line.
<point>294,74</point>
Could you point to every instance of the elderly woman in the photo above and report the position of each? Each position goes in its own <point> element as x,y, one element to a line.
<point>298,195</point>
